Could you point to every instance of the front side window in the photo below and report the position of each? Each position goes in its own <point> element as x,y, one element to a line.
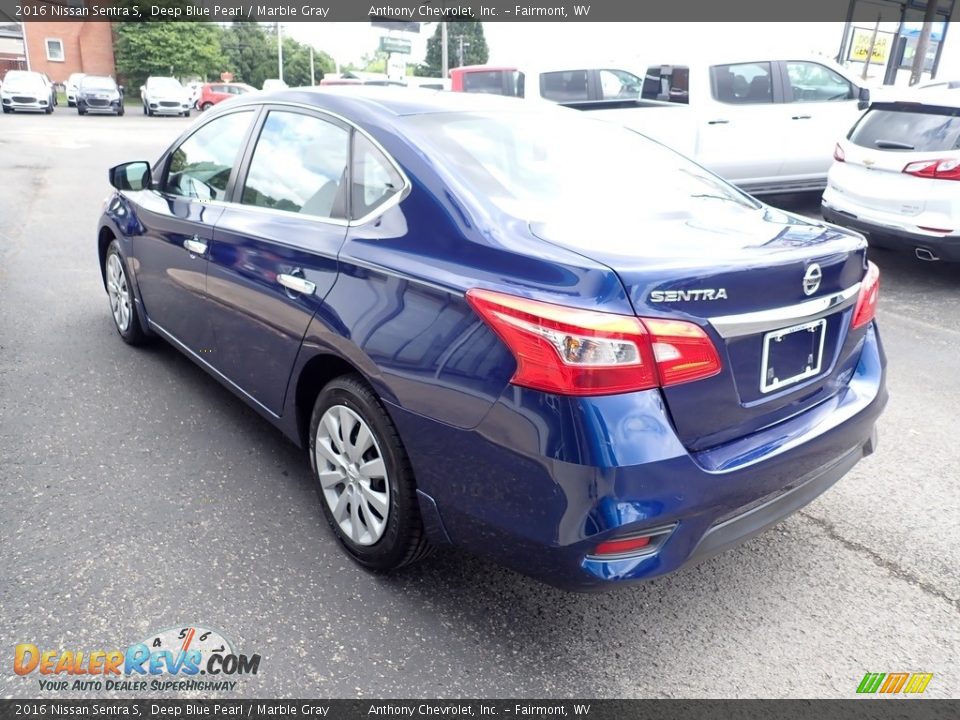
<point>619,85</point>
<point>566,86</point>
<point>200,168</point>
<point>54,49</point>
<point>813,82</point>
<point>374,179</point>
<point>743,83</point>
<point>299,165</point>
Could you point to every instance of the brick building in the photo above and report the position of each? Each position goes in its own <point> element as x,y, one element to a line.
<point>58,49</point>
<point>62,48</point>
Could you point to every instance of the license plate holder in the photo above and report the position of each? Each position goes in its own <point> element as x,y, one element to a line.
<point>792,354</point>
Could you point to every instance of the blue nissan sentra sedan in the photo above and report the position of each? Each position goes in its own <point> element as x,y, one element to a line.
<point>533,335</point>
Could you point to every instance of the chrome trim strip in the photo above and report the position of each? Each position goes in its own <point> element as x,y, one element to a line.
<point>731,326</point>
<point>211,369</point>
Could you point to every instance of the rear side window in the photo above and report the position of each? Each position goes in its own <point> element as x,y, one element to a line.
<point>743,83</point>
<point>667,83</point>
<point>484,81</point>
<point>566,86</point>
<point>200,168</point>
<point>374,179</point>
<point>909,128</point>
<point>299,165</point>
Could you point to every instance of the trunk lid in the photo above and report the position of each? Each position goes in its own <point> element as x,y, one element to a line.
<point>743,272</point>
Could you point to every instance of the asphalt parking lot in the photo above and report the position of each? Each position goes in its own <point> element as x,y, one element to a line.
<point>137,494</point>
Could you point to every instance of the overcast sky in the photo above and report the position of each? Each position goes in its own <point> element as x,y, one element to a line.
<point>629,45</point>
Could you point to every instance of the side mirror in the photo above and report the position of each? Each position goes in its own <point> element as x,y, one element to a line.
<point>130,176</point>
<point>864,98</point>
<point>121,89</point>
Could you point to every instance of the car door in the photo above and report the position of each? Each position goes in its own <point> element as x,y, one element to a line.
<point>178,219</point>
<point>820,108</point>
<point>274,252</point>
<point>740,124</point>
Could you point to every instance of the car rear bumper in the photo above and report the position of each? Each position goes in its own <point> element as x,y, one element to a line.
<point>887,232</point>
<point>542,480</point>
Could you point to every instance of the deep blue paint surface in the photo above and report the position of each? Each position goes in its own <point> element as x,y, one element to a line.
<point>532,480</point>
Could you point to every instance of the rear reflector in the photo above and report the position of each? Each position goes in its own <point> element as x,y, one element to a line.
<point>935,169</point>
<point>570,351</point>
<point>869,294</point>
<point>619,547</point>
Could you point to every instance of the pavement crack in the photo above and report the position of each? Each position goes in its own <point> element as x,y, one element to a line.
<point>891,567</point>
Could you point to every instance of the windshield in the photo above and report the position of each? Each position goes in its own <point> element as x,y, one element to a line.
<point>98,83</point>
<point>907,128</point>
<point>549,165</point>
<point>164,83</point>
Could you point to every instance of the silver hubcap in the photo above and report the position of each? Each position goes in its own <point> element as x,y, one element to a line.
<point>119,294</point>
<point>352,474</point>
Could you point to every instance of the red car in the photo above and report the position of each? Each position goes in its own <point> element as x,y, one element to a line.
<point>212,93</point>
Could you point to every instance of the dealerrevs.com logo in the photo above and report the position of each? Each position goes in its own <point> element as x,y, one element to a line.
<point>185,658</point>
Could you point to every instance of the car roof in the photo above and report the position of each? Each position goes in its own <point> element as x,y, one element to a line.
<point>388,99</point>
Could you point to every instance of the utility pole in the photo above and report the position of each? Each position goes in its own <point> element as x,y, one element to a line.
<point>279,51</point>
<point>873,44</point>
<point>313,77</point>
<point>444,51</point>
<point>920,58</point>
<point>460,49</point>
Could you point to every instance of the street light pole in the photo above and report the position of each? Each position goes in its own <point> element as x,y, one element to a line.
<point>444,52</point>
<point>920,59</point>
<point>279,51</point>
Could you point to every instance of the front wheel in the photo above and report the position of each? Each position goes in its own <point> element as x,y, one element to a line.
<point>120,111</point>
<point>364,478</point>
<point>120,291</point>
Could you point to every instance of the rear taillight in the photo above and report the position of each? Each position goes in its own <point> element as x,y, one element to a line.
<point>869,294</point>
<point>935,169</point>
<point>570,351</point>
<point>838,154</point>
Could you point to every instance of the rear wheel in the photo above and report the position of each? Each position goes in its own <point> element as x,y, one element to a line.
<point>120,291</point>
<point>364,479</point>
<point>206,106</point>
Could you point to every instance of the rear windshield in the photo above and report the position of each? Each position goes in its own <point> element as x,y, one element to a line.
<point>526,163</point>
<point>909,128</point>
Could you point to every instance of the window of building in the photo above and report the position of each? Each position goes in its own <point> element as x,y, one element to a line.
<point>54,49</point>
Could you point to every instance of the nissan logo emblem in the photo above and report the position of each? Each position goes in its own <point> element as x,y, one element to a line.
<point>811,279</point>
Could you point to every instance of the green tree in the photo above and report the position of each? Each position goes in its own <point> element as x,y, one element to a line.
<point>179,49</point>
<point>475,50</point>
<point>248,53</point>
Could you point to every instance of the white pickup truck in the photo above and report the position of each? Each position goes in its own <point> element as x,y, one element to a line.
<point>766,125</point>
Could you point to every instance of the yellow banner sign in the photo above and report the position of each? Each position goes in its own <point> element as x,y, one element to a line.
<point>861,46</point>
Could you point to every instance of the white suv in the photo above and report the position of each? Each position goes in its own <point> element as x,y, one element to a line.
<point>896,176</point>
<point>165,96</point>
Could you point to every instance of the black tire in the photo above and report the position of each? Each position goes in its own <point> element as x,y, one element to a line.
<point>403,540</point>
<point>206,106</point>
<point>7,111</point>
<point>133,334</point>
<point>144,109</point>
<point>120,111</point>
<point>186,114</point>
<point>81,110</point>
<point>49,109</point>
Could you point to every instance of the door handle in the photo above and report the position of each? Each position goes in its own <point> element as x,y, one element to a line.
<point>801,117</point>
<point>195,245</point>
<point>718,122</point>
<point>296,283</point>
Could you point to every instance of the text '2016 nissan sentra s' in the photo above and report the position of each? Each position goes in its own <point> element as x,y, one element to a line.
<point>541,338</point>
